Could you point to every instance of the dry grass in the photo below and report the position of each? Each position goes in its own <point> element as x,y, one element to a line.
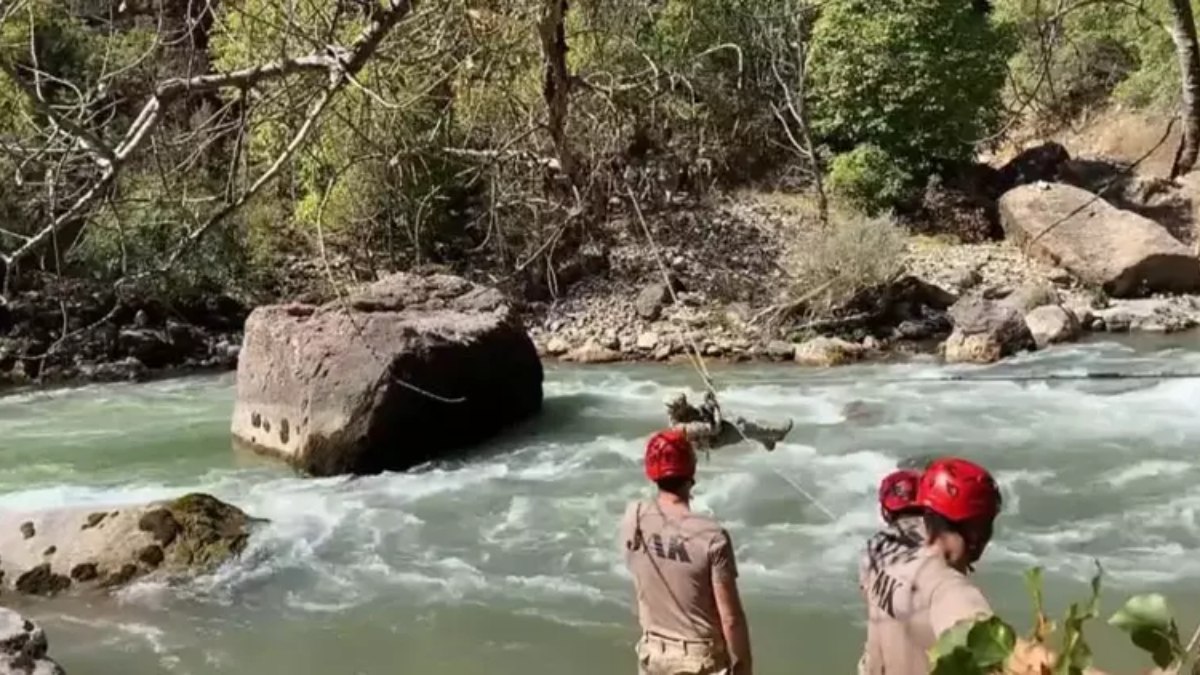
<point>855,252</point>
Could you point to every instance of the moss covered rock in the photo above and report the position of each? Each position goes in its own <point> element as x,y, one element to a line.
<point>181,537</point>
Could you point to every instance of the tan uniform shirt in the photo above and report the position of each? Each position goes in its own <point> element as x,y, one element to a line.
<point>912,596</point>
<point>674,564</point>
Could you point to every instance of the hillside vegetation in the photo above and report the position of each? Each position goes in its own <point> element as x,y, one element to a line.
<point>240,146</point>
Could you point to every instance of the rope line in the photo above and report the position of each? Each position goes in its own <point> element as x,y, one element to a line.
<point>697,358</point>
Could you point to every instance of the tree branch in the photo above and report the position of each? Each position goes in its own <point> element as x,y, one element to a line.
<point>340,63</point>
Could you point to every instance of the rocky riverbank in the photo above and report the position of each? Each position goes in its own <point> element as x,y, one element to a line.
<point>725,287</point>
<point>720,276</point>
<point>71,331</point>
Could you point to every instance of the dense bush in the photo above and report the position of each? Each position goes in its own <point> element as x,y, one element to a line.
<point>869,179</point>
<point>919,79</point>
<point>440,151</point>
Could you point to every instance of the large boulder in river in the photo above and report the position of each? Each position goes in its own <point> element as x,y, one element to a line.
<point>47,552</point>
<point>405,371</point>
<point>985,331</point>
<point>24,647</point>
<point>1124,253</point>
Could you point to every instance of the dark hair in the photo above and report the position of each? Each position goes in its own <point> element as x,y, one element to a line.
<point>676,485</point>
<point>975,538</point>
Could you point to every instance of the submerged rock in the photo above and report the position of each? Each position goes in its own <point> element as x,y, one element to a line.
<point>73,548</point>
<point>406,370</point>
<point>24,647</point>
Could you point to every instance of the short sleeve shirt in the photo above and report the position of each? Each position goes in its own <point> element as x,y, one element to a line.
<point>912,597</point>
<point>674,563</point>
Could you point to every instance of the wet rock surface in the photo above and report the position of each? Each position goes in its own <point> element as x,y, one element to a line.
<point>77,548</point>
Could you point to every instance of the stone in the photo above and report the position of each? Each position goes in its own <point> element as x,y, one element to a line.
<point>94,519</point>
<point>985,331</point>
<point>1125,254</point>
<point>24,649</point>
<point>1170,203</point>
<point>1060,277</point>
<point>1153,315</point>
<point>1041,162</point>
<point>663,352</point>
<point>592,352</point>
<point>557,346</point>
<point>148,346</point>
<point>1052,324</point>
<point>404,371</point>
<point>650,302</point>
<point>966,279</point>
<point>781,350</point>
<point>1032,295</point>
<point>827,351</point>
<point>189,535</point>
<point>27,530</point>
<point>647,341</point>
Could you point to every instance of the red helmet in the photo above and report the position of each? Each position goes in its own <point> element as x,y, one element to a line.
<point>958,490</point>
<point>669,455</point>
<point>898,490</point>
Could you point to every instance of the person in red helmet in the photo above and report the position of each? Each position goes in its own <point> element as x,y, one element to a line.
<point>684,573</point>
<point>913,574</point>
<point>898,495</point>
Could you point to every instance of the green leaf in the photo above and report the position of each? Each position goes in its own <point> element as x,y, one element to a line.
<point>991,642</point>
<point>1143,611</point>
<point>953,638</point>
<point>1147,619</point>
<point>973,647</point>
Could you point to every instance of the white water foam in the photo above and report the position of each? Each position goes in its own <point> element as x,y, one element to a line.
<point>1087,473</point>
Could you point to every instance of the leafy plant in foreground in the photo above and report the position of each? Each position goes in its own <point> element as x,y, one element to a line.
<point>986,645</point>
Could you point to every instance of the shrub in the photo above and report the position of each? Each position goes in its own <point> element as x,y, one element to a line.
<point>851,254</point>
<point>869,180</point>
<point>920,79</point>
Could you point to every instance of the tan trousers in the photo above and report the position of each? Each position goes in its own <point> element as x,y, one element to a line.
<point>659,655</point>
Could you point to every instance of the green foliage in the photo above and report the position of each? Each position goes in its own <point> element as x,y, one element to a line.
<point>1096,53</point>
<point>869,179</point>
<point>1147,619</point>
<point>985,645</point>
<point>920,79</point>
<point>974,647</point>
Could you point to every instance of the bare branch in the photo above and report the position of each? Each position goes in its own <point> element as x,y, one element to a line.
<point>340,64</point>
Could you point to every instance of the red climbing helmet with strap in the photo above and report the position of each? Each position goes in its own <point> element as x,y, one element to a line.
<point>898,490</point>
<point>959,490</point>
<point>669,455</point>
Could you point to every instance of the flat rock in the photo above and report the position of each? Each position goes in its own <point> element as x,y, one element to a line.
<point>1154,315</point>
<point>406,370</point>
<point>1122,252</point>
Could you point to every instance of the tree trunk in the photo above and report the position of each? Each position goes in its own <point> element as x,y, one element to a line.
<point>556,89</point>
<point>1183,32</point>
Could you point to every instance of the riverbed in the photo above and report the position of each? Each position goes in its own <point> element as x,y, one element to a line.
<point>508,563</point>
